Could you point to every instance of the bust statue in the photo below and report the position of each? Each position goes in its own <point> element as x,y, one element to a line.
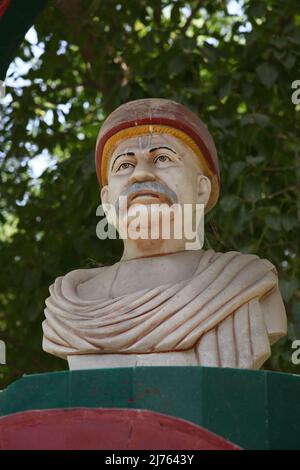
<point>163,304</point>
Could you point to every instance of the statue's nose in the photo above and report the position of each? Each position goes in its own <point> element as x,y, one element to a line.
<point>142,172</point>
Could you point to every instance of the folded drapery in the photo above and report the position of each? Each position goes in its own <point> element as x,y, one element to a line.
<point>229,312</point>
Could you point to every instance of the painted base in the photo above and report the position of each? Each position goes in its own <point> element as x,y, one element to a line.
<point>104,429</point>
<point>254,409</point>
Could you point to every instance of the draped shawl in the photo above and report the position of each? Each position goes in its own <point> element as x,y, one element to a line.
<point>229,312</point>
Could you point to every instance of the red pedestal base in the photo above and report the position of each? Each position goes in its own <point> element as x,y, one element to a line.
<point>108,429</point>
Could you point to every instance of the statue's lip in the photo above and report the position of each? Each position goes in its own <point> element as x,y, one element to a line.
<point>146,195</point>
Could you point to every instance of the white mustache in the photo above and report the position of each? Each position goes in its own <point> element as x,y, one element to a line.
<point>151,186</point>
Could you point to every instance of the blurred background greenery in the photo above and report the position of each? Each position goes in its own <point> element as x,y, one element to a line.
<point>232,62</point>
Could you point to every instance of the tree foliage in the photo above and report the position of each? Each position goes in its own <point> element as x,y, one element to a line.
<point>234,70</point>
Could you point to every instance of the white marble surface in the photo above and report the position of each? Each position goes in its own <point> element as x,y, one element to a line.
<point>103,361</point>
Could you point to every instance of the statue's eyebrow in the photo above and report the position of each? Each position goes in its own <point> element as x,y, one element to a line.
<point>163,147</point>
<point>129,154</point>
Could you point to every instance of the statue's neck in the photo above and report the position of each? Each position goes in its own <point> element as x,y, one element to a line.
<point>135,249</point>
<point>129,276</point>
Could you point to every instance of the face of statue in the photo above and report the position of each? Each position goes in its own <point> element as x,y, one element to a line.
<point>152,171</point>
<point>170,169</point>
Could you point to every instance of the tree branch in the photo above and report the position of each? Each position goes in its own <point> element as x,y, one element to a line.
<point>282,168</point>
<point>191,17</point>
<point>283,191</point>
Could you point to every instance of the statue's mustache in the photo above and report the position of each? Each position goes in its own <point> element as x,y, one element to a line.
<point>143,186</point>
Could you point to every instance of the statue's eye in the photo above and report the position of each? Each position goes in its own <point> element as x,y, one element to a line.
<point>125,166</point>
<point>163,158</point>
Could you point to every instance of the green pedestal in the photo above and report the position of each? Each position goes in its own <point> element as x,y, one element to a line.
<point>254,409</point>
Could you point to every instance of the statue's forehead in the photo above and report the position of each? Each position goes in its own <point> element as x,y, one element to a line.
<point>146,141</point>
<point>143,143</point>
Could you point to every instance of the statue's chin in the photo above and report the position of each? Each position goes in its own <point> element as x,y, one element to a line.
<point>149,247</point>
<point>150,233</point>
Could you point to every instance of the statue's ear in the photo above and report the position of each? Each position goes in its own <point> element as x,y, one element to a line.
<point>104,195</point>
<point>204,189</point>
<point>109,209</point>
<point>105,201</point>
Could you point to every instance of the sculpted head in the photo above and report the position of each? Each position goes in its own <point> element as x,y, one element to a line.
<point>155,158</point>
<point>141,156</point>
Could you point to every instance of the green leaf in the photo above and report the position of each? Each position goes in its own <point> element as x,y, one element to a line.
<point>295,311</point>
<point>295,37</point>
<point>252,191</point>
<point>254,161</point>
<point>267,74</point>
<point>256,9</point>
<point>236,169</point>
<point>289,61</point>
<point>246,119</point>
<point>225,90</point>
<point>261,119</point>
<point>177,65</point>
<point>229,203</point>
<point>220,123</point>
<point>287,288</point>
<point>273,221</point>
<point>288,222</point>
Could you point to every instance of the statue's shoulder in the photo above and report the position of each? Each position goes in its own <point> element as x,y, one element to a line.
<point>260,262</point>
<point>93,283</point>
<point>87,284</point>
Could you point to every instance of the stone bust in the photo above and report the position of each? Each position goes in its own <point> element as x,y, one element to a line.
<point>163,304</point>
